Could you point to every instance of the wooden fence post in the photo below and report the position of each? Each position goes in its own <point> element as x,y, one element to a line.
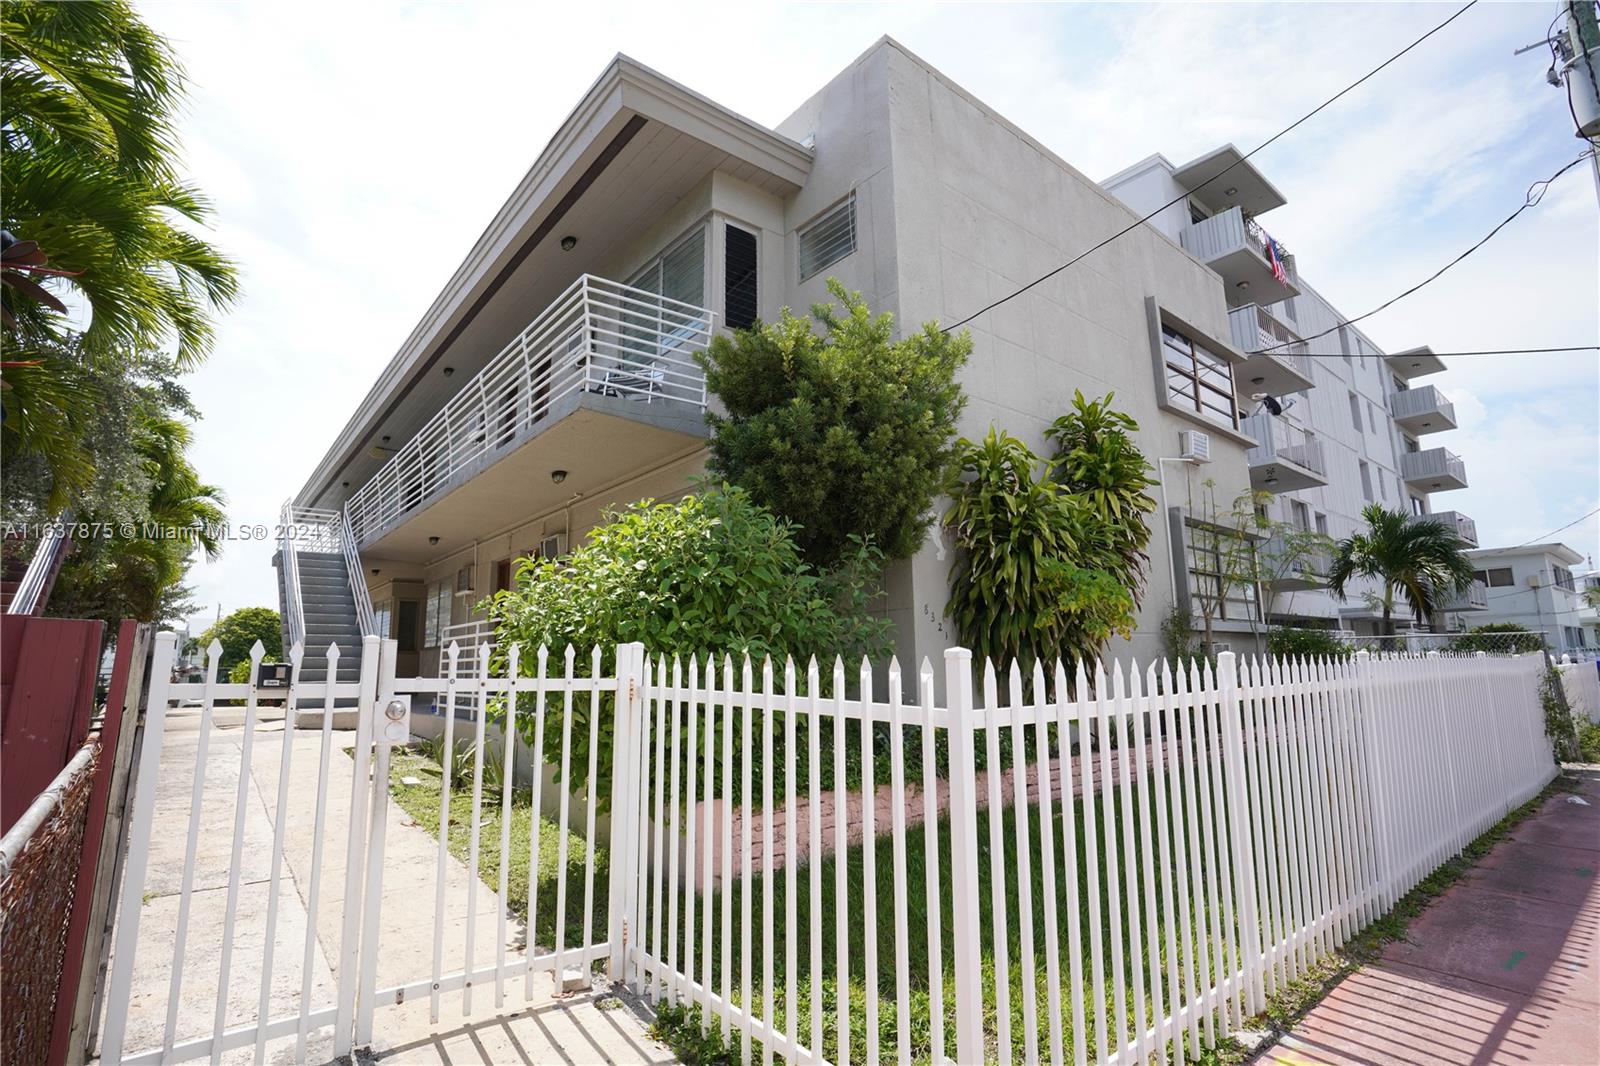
<point>964,855</point>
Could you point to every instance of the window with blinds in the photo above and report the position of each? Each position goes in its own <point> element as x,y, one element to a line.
<point>828,238</point>
<point>1198,379</point>
<point>739,277</point>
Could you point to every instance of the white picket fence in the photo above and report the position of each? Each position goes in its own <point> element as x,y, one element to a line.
<point>1581,682</point>
<point>1216,834</point>
<point>1191,842</point>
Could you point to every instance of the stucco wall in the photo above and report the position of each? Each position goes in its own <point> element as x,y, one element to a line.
<point>982,209</point>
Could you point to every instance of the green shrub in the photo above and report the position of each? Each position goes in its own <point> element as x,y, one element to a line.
<point>1307,644</point>
<point>713,572</point>
<point>238,632</point>
<point>1019,587</point>
<point>1098,463</point>
<point>1503,637</point>
<point>850,433</point>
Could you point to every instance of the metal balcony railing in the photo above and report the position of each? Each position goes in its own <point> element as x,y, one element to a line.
<point>1475,598</point>
<point>1432,464</point>
<point>1423,400</point>
<point>1281,442</point>
<point>1255,329</point>
<point>598,336</point>
<point>1227,231</point>
<point>1464,527</point>
<point>1310,567</point>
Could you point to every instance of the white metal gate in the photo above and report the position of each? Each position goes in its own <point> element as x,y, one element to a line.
<point>134,1032</point>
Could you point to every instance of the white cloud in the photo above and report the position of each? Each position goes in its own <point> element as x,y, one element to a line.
<point>355,151</point>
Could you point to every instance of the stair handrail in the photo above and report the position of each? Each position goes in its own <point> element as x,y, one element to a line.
<point>365,615</point>
<point>291,575</point>
<point>54,539</point>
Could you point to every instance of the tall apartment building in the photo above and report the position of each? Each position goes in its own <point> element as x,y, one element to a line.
<point>1353,427</point>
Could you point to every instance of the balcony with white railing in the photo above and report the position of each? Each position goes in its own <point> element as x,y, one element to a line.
<point>1433,470</point>
<point>605,378</point>
<point>1286,458</point>
<point>1284,369</point>
<point>1422,410</point>
<point>1238,248</point>
<point>1475,598</point>
<point>1460,524</point>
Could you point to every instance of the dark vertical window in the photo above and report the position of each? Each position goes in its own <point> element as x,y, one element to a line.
<point>739,277</point>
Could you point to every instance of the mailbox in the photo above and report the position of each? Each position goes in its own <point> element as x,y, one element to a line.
<point>272,675</point>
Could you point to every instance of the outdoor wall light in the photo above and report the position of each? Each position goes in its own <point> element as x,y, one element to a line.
<point>558,476</point>
<point>568,243</point>
<point>344,484</point>
<point>1241,285</point>
<point>1257,381</point>
<point>449,370</point>
<point>376,571</point>
<point>1230,192</point>
<point>433,540</point>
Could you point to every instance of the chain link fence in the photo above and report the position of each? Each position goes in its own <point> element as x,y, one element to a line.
<point>39,860</point>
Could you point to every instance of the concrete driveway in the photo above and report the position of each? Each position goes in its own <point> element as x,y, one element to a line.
<point>578,1028</point>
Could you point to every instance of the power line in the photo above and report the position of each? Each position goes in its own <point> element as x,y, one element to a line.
<point>1485,351</point>
<point>1553,532</point>
<point>1287,129</point>
<point>1530,200</point>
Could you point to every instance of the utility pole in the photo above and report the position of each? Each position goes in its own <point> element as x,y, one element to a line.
<point>1574,44</point>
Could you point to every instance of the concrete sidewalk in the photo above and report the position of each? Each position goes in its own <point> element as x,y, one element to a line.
<point>576,1029</point>
<point>1504,967</point>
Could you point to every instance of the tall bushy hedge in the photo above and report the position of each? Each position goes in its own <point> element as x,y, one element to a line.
<point>712,573</point>
<point>848,433</point>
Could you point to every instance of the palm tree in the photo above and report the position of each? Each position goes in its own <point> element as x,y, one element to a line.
<point>89,165</point>
<point>1424,561</point>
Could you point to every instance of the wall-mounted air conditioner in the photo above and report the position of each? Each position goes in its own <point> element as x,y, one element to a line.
<point>1193,444</point>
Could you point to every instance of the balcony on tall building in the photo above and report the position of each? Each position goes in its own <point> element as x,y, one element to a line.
<point>1433,470</point>
<point>1460,524</point>
<point>1415,362</point>
<point>1474,598</point>
<point>1275,356</point>
<point>1290,568</point>
<point>1235,246</point>
<point>1286,458</point>
<point>1422,410</point>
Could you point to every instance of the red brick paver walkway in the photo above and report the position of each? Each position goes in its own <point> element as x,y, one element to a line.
<point>1503,968</point>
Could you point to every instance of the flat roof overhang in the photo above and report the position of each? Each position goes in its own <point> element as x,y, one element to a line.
<point>1415,362</point>
<point>1283,475</point>
<point>599,442</point>
<point>1263,372</point>
<point>636,144</point>
<point>1243,186</point>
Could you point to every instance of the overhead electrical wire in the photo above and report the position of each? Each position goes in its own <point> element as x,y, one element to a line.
<point>1171,203</point>
<point>1441,355</point>
<point>1531,200</point>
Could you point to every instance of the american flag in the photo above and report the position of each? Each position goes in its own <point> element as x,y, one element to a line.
<point>1276,261</point>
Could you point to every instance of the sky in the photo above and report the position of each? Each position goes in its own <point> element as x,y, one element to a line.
<point>354,152</point>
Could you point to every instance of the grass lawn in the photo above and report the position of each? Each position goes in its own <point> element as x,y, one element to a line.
<point>421,802</point>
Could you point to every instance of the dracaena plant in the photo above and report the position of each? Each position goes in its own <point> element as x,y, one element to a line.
<point>1024,584</point>
<point>1099,464</point>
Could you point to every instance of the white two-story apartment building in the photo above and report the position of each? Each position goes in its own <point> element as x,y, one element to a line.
<point>553,378</point>
<point>1340,423</point>
<point>1533,586</point>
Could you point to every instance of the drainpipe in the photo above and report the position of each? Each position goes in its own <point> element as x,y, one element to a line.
<point>1166,516</point>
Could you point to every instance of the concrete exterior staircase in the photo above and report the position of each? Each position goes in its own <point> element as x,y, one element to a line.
<point>328,608</point>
